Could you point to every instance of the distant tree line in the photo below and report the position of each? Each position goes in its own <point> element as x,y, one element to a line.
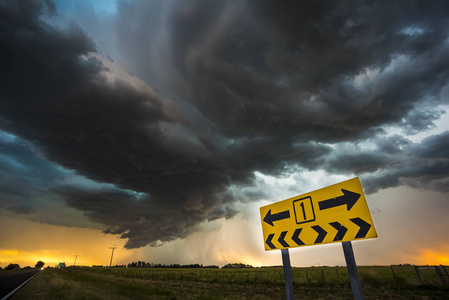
<point>142,264</point>
<point>38,265</point>
<point>139,264</point>
<point>237,265</point>
<point>12,266</point>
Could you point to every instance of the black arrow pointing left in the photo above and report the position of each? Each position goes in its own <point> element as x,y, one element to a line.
<point>281,239</point>
<point>268,241</point>
<point>270,218</point>
<point>296,238</point>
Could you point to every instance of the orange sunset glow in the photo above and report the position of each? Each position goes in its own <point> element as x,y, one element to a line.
<point>430,257</point>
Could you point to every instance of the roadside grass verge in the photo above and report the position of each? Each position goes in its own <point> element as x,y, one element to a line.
<point>257,283</point>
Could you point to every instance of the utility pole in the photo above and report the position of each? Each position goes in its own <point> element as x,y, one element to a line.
<point>112,254</point>
<point>75,260</point>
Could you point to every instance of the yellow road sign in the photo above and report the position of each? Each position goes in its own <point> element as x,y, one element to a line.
<point>337,213</point>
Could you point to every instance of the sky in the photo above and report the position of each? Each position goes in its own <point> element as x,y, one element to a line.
<point>161,127</point>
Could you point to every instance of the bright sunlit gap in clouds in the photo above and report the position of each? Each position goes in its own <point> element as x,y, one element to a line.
<point>162,127</point>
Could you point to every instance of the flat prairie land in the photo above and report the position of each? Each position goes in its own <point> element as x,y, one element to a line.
<point>378,282</point>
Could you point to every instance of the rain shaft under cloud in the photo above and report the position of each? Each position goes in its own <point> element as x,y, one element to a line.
<point>213,92</point>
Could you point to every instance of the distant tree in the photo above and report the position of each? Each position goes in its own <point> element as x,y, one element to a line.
<point>212,267</point>
<point>39,264</point>
<point>12,266</point>
<point>237,265</point>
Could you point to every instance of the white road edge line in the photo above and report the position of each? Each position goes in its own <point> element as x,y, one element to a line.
<point>10,294</point>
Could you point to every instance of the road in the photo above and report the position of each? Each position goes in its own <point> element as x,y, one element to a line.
<point>9,282</point>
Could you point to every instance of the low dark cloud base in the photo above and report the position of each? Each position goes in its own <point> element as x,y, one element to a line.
<point>250,86</point>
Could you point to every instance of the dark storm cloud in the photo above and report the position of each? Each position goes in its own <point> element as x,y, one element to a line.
<point>24,177</point>
<point>416,121</point>
<point>424,166</point>
<point>297,68</point>
<point>137,218</point>
<point>222,90</point>
<point>109,128</point>
<point>392,144</point>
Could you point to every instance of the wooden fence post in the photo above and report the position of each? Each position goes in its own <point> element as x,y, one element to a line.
<point>442,278</point>
<point>417,274</point>
<point>444,268</point>
<point>392,271</point>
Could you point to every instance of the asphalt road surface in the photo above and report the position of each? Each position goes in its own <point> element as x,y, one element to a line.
<point>9,282</point>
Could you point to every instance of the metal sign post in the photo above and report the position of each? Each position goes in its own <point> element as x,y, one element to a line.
<point>287,275</point>
<point>352,271</point>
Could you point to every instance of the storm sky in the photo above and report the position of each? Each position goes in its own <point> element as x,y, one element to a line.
<point>148,120</point>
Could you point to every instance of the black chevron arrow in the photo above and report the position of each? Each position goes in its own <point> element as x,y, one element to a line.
<point>295,237</point>
<point>321,234</point>
<point>268,241</point>
<point>349,198</point>
<point>341,231</point>
<point>270,218</point>
<point>281,239</point>
<point>364,227</point>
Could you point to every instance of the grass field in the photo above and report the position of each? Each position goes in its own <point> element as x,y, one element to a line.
<point>378,282</point>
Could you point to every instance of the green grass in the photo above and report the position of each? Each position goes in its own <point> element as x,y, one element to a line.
<point>378,282</point>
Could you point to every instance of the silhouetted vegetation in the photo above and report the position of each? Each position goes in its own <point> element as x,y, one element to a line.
<point>12,266</point>
<point>39,264</point>
<point>237,265</point>
<point>142,264</point>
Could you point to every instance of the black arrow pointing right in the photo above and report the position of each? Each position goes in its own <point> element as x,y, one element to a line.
<point>348,198</point>
<point>364,227</point>
<point>321,234</point>
<point>268,241</point>
<point>341,231</point>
